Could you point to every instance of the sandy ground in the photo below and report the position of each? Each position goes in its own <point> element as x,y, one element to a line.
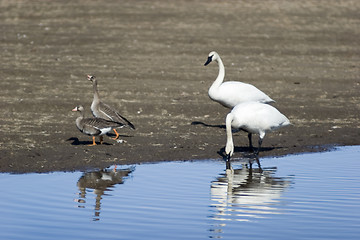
<point>149,58</point>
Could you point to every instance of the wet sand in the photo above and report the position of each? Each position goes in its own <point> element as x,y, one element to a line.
<point>149,56</point>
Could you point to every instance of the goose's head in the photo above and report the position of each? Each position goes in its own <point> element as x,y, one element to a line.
<point>213,56</point>
<point>91,78</point>
<point>78,109</point>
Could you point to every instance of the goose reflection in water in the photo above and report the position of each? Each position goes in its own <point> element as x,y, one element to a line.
<point>100,182</point>
<point>247,193</point>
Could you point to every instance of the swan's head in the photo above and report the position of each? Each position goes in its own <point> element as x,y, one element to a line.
<point>90,78</point>
<point>213,56</point>
<point>229,149</point>
<point>78,109</point>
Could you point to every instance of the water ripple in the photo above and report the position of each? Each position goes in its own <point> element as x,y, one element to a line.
<point>305,196</point>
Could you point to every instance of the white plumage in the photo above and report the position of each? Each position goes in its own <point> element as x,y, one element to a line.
<point>231,93</point>
<point>254,118</point>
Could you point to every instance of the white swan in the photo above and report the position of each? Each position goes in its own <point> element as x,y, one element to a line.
<point>231,93</point>
<point>254,118</point>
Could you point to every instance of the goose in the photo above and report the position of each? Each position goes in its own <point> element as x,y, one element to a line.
<point>94,126</point>
<point>102,110</point>
<point>231,93</point>
<point>254,118</point>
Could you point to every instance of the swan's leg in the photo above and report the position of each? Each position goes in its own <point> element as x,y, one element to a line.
<point>250,142</point>
<point>94,143</point>
<point>258,163</point>
<point>250,166</point>
<point>117,135</point>
<point>260,142</point>
<point>261,137</point>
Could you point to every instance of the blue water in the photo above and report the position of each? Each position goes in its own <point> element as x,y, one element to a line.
<point>309,196</point>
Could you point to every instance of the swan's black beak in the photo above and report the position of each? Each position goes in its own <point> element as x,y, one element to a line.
<point>208,60</point>
<point>228,162</point>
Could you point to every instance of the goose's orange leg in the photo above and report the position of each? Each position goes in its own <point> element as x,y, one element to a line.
<point>94,143</point>
<point>101,139</point>
<point>117,135</point>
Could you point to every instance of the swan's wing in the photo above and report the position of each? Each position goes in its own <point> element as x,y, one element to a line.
<point>256,116</point>
<point>238,92</point>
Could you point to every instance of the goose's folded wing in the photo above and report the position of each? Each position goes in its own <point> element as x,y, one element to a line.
<point>115,115</point>
<point>90,129</point>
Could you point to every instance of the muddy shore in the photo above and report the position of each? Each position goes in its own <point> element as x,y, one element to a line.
<point>148,57</point>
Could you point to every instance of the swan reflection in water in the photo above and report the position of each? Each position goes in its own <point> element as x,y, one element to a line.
<point>100,182</point>
<point>247,193</point>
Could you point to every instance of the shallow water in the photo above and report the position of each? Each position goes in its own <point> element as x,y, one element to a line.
<point>310,196</point>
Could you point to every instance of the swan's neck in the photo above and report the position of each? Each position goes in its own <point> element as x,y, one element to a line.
<point>220,78</point>
<point>229,149</point>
